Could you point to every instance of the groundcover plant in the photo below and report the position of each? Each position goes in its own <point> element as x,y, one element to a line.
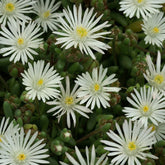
<point>82,82</point>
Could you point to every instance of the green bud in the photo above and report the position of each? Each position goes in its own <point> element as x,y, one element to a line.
<point>28,113</point>
<point>16,89</point>
<point>125,62</point>
<point>28,126</point>
<point>18,113</point>
<point>126,41</point>
<point>75,68</point>
<point>60,65</point>
<point>57,147</point>
<point>14,72</point>
<point>44,122</point>
<point>20,121</point>
<point>7,110</point>
<point>136,26</point>
<point>100,150</point>
<point>43,134</point>
<point>34,127</point>
<point>91,122</point>
<point>130,89</point>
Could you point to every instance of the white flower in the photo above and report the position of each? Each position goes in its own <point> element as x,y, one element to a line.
<point>131,144</point>
<point>94,89</point>
<point>90,160</point>
<point>20,41</point>
<point>7,127</point>
<point>80,30</point>
<point>155,75</point>
<point>159,131</point>
<point>14,10</point>
<point>146,107</point>
<point>140,7</point>
<point>40,81</point>
<point>21,149</point>
<point>67,102</point>
<point>154,29</point>
<point>47,17</point>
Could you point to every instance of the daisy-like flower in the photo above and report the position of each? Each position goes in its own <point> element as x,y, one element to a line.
<point>90,160</point>
<point>80,30</point>
<point>6,127</point>
<point>15,10</point>
<point>46,12</point>
<point>140,7</point>
<point>131,143</point>
<point>94,89</point>
<point>154,28</point>
<point>159,131</point>
<point>41,81</point>
<point>20,41</point>
<point>148,105</point>
<point>154,75</point>
<point>67,102</point>
<point>21,149</point>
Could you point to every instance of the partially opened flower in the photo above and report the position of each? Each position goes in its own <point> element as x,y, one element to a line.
<point>95,89</point>
<point>41,81</point>
<point>15,10</point>
<point>68,103</point>
<point>7,127</point>
<point>90,159</point>
<point>159,131</point>
<point>140,7</point>
<point>80,30</point>
<point>154,74</point>
<point>148,105</point>
<point>46,12</point>
<point>130,144</point>
<point>154,30</point>
<point>20,41</point>
<point>21,149</point>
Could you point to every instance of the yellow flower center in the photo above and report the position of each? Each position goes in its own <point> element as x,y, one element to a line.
<point>20,41</point>
<point>69,100</point>
<point>0,139</point>
<point>10,7</point>
<point>96,87</point>
<point>131,146</point>
<point>46,14</point>
<point>158,79</point>
<point>156,30</point>
<point>40,82</point>
<point>153,127</point>
<point>81,32</point>
<point>21,157</point>
<point>139,1</point>
<point>145,108</point>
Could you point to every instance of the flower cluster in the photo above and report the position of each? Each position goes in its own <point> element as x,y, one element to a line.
<point>153,19</point>
<point>79,36</point>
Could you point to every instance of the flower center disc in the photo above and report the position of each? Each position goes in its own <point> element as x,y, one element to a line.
<point>81,32</point>
<point>10,7</point>
<point>145,108</point>
<point>131,146</point>
<point>21,157</point>
<point>46,14</point>
<point>20,41</point>
<point>158,79</point>
<point>156,30</point>
<point>69,100</point>
<point>96,87</point>
<point>139,1</point>
<point>40,82</point>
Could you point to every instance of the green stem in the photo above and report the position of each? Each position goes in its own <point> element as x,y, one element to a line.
<point>90,134</point>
